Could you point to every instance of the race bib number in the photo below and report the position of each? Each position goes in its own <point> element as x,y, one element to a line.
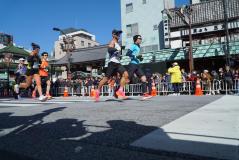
<point>35,65</point>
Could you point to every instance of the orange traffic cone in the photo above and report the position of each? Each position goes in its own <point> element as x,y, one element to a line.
<point>154,91</point>
<point>92,92</point>
<point>198,90</point>
<point>66,92</point>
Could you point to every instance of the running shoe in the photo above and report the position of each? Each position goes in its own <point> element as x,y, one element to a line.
<point>42,98</point>
<point>34,94</point>
<point>16,91</point>
<point>97,95</point>
<point>120,93</point>
<point>115,90</point>
<point>19,97</point>
<point>48,96</point>
<point>16,88</point>
<point>146,96</point>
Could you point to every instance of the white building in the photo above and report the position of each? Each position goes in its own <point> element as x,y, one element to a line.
<point>82,39</point>
<point>144,17</point>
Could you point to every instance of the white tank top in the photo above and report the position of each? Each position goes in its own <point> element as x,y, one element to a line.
<point>116,58</point>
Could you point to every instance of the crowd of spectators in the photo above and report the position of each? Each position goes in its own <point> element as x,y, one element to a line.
<point>174,80</point>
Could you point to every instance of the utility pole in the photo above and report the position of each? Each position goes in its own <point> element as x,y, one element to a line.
<point>68,47</point>
<point>185,13</point>
<point>227,46</point>
<point>191,61</point>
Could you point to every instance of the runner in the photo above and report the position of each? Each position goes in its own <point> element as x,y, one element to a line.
<point>114,66</point>
<point>20,74</point>
<point>43,72</point>
<point>32,72</point>
<point>134,68</point>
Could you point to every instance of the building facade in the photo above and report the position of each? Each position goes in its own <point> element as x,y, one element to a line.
<point>198,1</point>
<point>81,38</point>
<point>208,24</point>
<point>208,37</point>
<point>143,17</point>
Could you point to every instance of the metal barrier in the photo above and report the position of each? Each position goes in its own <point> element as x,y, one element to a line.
<point>163,89</point>
<point>229,86</point>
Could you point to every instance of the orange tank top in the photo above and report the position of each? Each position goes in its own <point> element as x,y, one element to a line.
<point>44,68</point>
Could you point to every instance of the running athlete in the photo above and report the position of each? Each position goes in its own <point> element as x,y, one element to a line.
<point>43,72</point>
<point>134,67</point>
<point>114,66</point>
<point>32,72</point>
<point>20,74</point>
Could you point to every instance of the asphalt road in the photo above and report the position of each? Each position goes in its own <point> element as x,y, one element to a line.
<point>76,128</point>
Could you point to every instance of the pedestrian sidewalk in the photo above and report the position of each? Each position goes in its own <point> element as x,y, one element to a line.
<point>211,131</point>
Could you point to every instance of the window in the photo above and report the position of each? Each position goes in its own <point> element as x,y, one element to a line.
<point>89,44</point>
<point>82,43</point>
<point>129,7</point>
<point>144,1</point>
<point>132,29</point>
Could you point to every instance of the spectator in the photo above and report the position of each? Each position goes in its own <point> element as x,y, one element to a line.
<point>184,75</point>
<point>215,76</point>
<point>167,84</point>
<point>216,82</point>
<point>236,75</point>
<point>184,79</point>
<point>176,77</point>
<point>228,76</point>
<point>206,81</point>
<point>221,74</point>
<point>236,79</point>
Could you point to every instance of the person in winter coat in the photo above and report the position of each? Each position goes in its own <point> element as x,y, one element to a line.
<point>176,77</point>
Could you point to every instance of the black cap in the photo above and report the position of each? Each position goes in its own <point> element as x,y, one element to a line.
<point>137,37</point>
<point>116,32</point>
<point>35,46</point>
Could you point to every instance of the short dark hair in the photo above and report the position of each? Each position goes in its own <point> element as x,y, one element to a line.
<point>137,37</point>
<point>44,53</point>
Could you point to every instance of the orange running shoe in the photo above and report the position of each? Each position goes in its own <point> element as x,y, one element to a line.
<point>121,94</point>
<point>97,95</point>
<point>146,96</point>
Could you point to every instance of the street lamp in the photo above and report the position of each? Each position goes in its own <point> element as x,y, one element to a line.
<point>8,59</point>
<point>68,46</point>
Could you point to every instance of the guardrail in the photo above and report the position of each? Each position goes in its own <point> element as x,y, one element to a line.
<point>163,88</point>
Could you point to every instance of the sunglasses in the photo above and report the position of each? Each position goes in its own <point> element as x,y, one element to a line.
<point>45,55</point>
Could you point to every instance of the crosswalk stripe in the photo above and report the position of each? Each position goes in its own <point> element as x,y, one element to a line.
<point>17,105</point>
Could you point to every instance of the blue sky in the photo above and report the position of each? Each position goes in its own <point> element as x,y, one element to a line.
<point>32,20</point>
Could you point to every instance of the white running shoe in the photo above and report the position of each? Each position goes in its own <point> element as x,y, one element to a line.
<point>42,98</point>
<point>16,88</point>
<point>19,97</point>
